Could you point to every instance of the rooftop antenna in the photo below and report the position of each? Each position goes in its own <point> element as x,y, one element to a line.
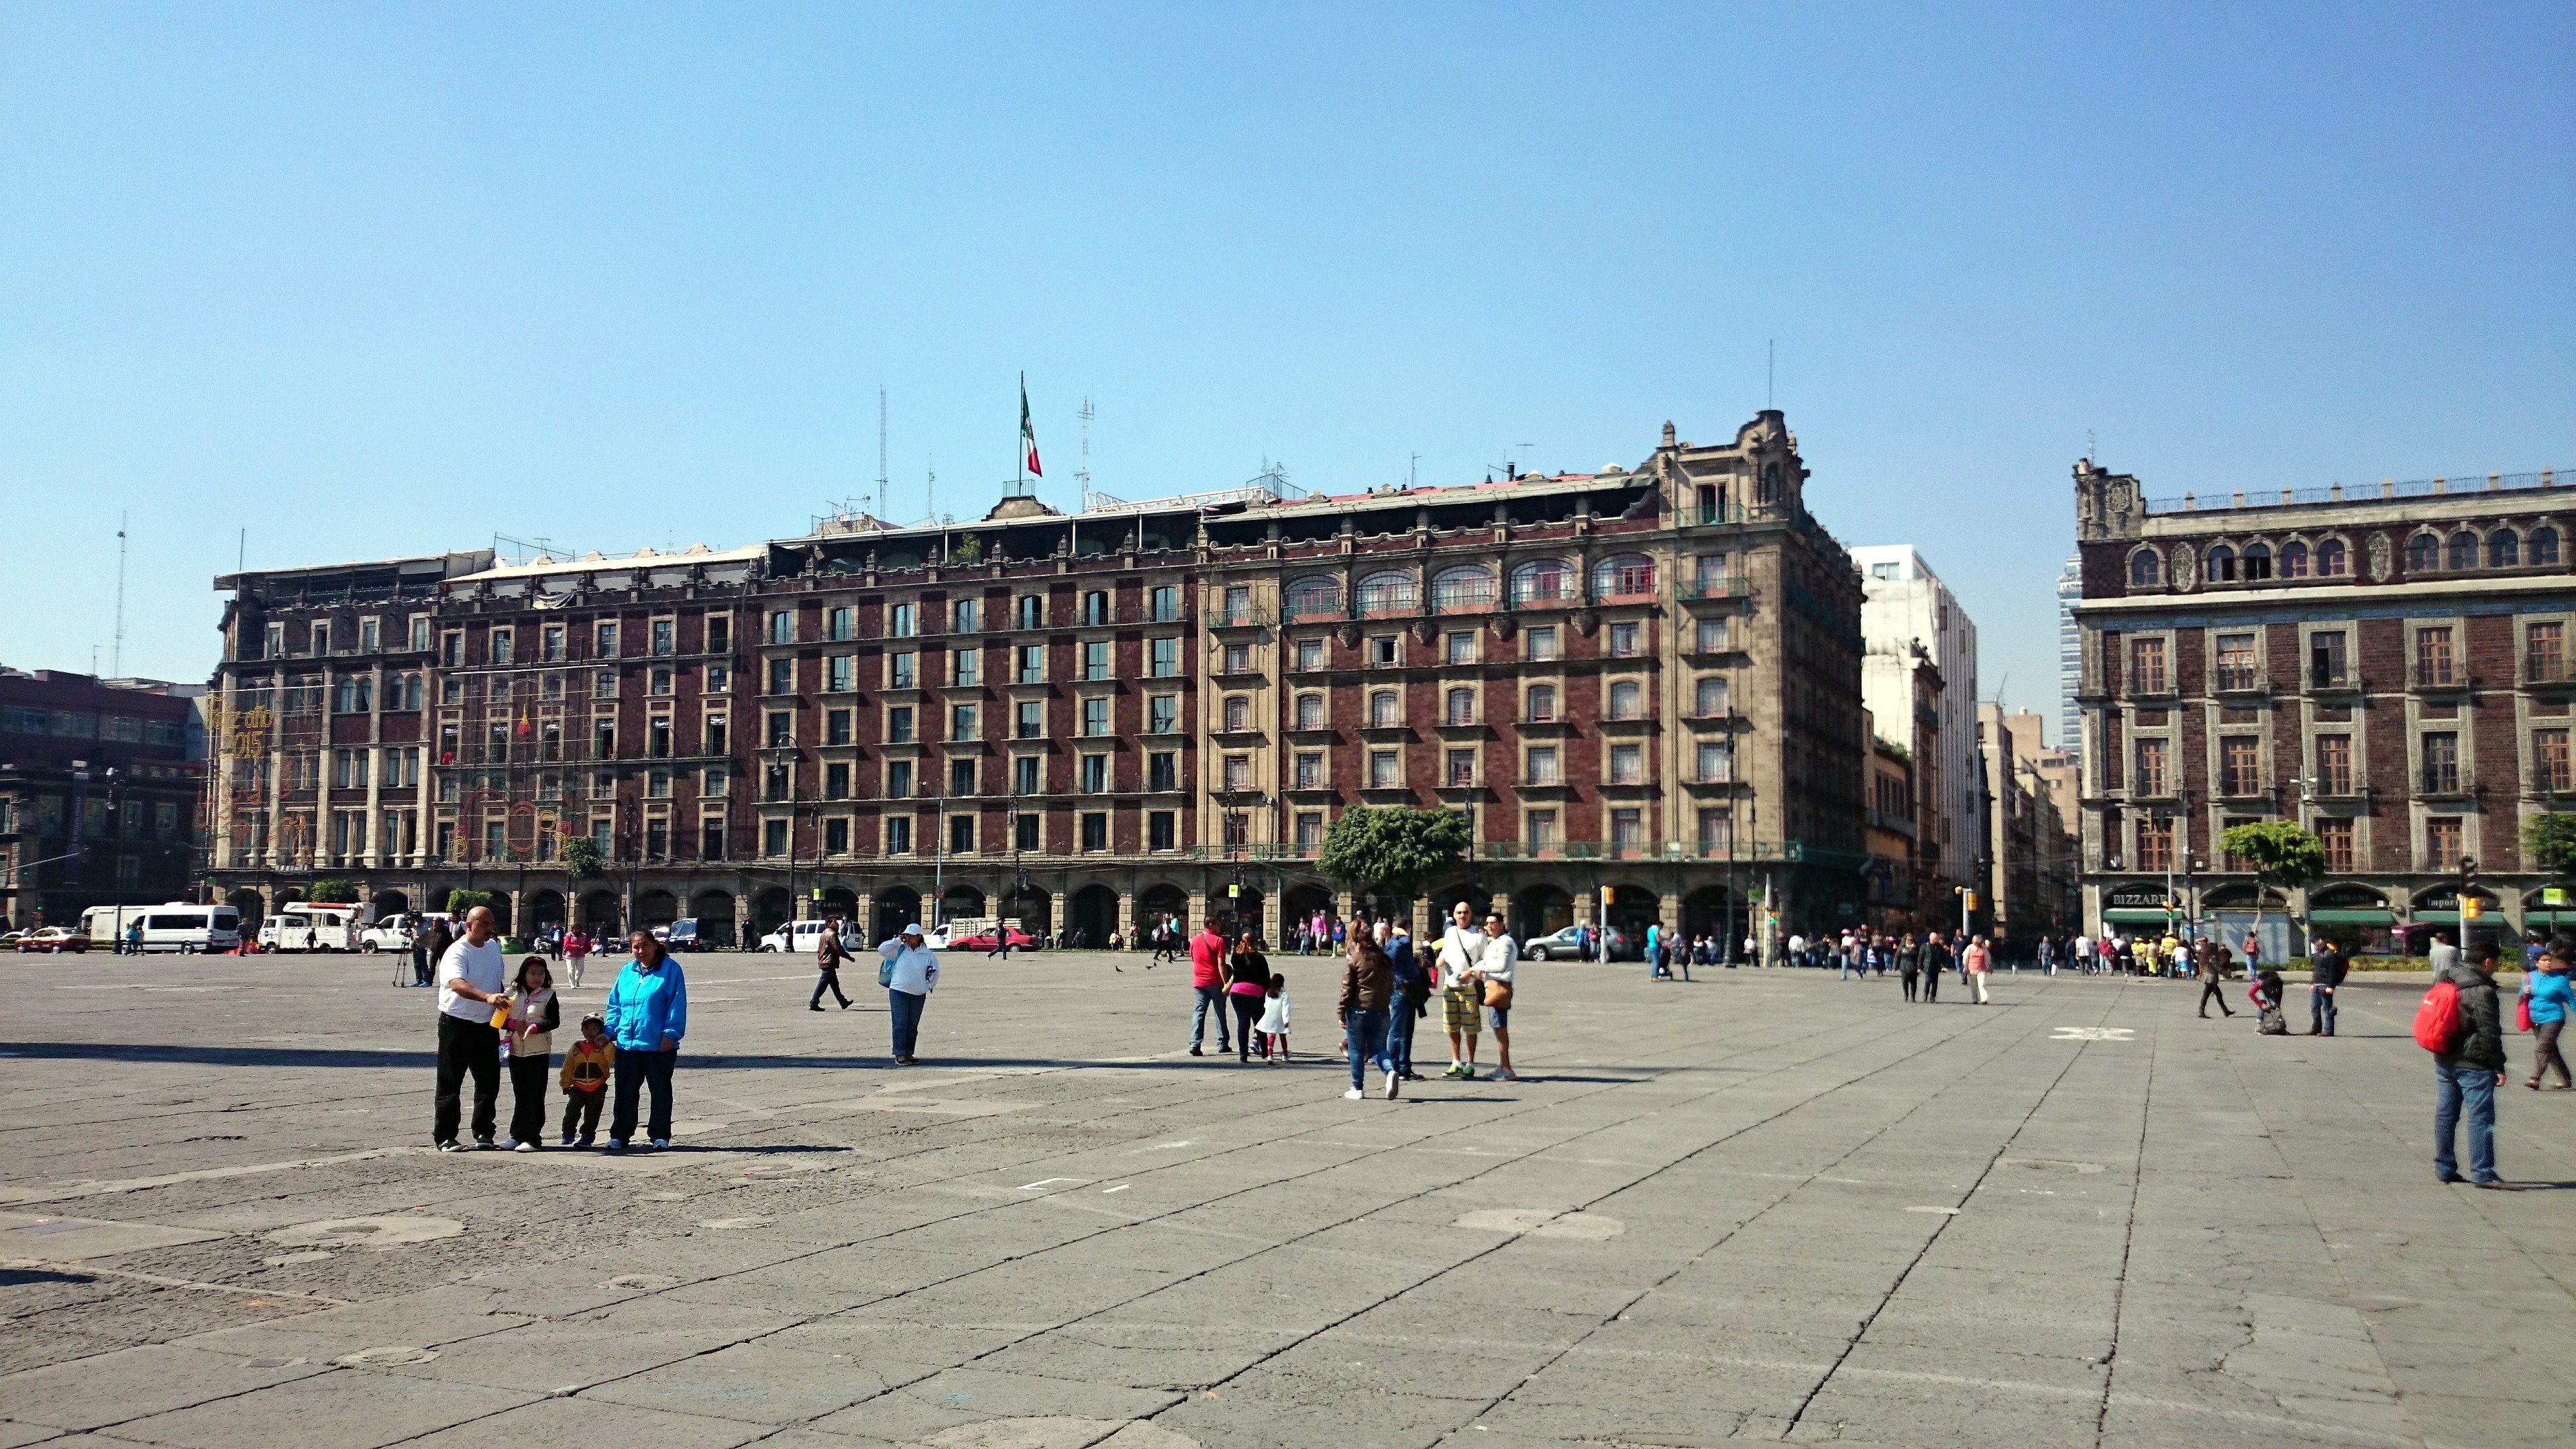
<point>1412,472</point>
<point>1524,449</point>
<point>1082,470</point>
<point>881,448</point>
<point>241,550</point>
<point>1770,373</point>
<point>2088,445</point>
<point>116,656</point>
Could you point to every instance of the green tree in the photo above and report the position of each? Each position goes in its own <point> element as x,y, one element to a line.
<point>2551,840</point>
<point>2282,852</point>
<point>968,550</point>
<point>1393,851</point>
<point>331,890</point>
<point>461,901</point>
<point>581,857</point>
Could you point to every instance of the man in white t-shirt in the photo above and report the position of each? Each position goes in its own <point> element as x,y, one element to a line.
<point>471,978</point>
<point>1461,995</point>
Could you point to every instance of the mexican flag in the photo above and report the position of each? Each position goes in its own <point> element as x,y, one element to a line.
<point>1028,433</point>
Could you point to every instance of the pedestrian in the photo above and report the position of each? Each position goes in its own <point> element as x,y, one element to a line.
<point>2466,1075</point>
<point>586,1070</point>
<point>1909,965</point>
<point>1273,1025</point>
<point>472,996</point>
<point>2268,993</point>
<point>829,953</point>
<point>2444,954</point>
<point>1975,962</point>
<point>134,938</point>
<point>910,974</point>
<point>2079,953</point>
<point>1207,987</point>
<point>2210,960</point>
<point>1247,990</point>
<point>1936,959</point>
<point>2253,953</point>
<point>1497,968</point>
<point>1654,953</point>
<point>1405,1007</point>
<point>435,944</point>
<point>576,951</point>
<point>647,1015</point>
<point>420,957</point>
<point>530,1042</point>
<point>2547,1000</point>
<point>1461,946</point>
<point>2326,967</point>
<point>1368,982</point>
<point>1001,941</point>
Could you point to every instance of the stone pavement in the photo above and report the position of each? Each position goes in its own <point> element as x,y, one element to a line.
<point>1764,1205</point>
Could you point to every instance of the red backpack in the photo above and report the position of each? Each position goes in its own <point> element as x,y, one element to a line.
<point>2437,1018</point>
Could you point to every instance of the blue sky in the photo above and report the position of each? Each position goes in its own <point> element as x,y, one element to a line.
<point>367,280</point>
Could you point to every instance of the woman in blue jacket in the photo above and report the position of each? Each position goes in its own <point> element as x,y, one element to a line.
<point>647,1014</point>
<point>2551,998</point>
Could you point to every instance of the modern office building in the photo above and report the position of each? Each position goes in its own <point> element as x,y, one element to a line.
<point>2070,658</point>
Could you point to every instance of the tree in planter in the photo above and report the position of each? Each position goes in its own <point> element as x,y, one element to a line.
<point>2283,853</point>
<point>461,901</point>
<point>967,550</point>
<point>581,857</point>
<point>1393,850</point>
<point>332,891</point>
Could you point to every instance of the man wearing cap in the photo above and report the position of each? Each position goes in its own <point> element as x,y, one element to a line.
<point>911,972</point>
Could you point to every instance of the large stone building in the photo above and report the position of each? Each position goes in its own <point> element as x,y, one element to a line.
<point>101,789</point>
<point>2388,665</point>
<point>1641,686</point>
<point>1910,615</point>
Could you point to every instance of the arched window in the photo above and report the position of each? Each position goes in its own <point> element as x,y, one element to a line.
<point>2423,554</point>
<point>2257,563</point>
<point>1238,713</point>
<point>1627,700</point>
<point>1543,581</point>
<point>1390,592</point>
<point>2146,569</point>
<point>1710,698</point>
<point>1541,707</point>
<point>1462,588</point>
<point>2504,549</point>
<point>1310,711</point>
<point>2333,561</point>
<point>2544,545</point>
<point>1622,575</point>
<point>2222,565</point>
<point>2294,560</point>
<point>1316,597</point>
<point>2464,550</point>
<point>1385,713</point>
<point>1462,706</point>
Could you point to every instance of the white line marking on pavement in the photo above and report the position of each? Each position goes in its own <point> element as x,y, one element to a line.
<point>1122,1187</point>
<point>2093,1033</point>
<point>1946,1211</point>
<point>1043,1181</point>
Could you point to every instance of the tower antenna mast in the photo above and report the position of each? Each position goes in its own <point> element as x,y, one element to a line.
<point>116,655</point>
<point>881,449</point>
<point>1082,470</point>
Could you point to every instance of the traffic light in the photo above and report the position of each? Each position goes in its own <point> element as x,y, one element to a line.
<point>2468,879</point>
<point>2470,908</point>
<point>1971,899</point>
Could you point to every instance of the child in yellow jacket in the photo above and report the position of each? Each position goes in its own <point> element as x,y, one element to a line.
<point>585,1079</point>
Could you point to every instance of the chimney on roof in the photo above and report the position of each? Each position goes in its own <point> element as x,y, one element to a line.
<point>1668,434</point>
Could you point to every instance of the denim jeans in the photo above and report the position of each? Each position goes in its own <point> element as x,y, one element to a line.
<point>633,1070</point>
<point>2321,1009</point>
<point>1208,998</point>
<point>1400,1022</point>
<point>2475,1087</point>
<point>1368,1041</point>
<point>904,1008</point>
<point>828,980</point>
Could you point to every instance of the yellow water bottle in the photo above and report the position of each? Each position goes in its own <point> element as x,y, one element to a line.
<point>500,1011</point>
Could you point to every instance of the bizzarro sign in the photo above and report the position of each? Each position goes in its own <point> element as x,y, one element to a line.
<point>2147,897</point>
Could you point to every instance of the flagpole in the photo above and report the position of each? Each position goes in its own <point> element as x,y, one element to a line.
<point>1019,445</point>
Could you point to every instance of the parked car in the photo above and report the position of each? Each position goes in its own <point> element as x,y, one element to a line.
<point>986,938</point>
<point>54,938</point>
<point>683,935</point>
<point>800,938</point>
<point>1567,945</point>
<point>9,939</point>
<point>392,935</point>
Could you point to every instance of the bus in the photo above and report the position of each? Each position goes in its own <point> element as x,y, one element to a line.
<point>182,926</point>
<point>312,926</point>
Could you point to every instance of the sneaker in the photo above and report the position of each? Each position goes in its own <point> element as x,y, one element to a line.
<point>659,1143</point>
<point>525,1147</point>
<point>451,1145</point>
<point>1353,1095</point>
<point>567,1140</point>
<point>584,1143</point>
<point>616,1144</point>
<point>1454,1069</point>
<point>1194,1051</point>
<point>2498,1184</point>
<point>813,1006</point>
<point>1466,1072</point>
<point>482,1144</point>
<point>1392,1082</point>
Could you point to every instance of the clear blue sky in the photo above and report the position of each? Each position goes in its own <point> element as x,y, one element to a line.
<point>368,280</point>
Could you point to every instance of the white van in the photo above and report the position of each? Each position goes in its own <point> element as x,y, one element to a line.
<point>804,937</point>
<point>306,926</point>
<point>182,926</point>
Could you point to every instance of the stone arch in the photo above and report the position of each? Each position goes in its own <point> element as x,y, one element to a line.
<point>545,909</point>
<point>1707,910</point>
<point>1631,909</point>
<point>838,901</point>
<point>601,913</point>
<point>1157,901</point>
<point>1541,910</point>
<point>1035,910</point>
<point>248,903</point>
<point>960,900</point>
<point>389,904</point>
<point>1092,913</point>
<point>656,908</point>
<point>897,907</point>
<point>714,910</point>
<point>771,908</point>
<point>1300,903</point>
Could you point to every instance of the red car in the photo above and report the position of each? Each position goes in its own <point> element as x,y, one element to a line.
<point>988,940</point>
<point>54,938</point>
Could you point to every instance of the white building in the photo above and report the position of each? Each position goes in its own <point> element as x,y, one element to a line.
<point>2070,659</point>
<point>1904,605</point>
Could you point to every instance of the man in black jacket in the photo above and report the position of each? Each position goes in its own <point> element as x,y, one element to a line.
<point>2326,968</point>
<point>2468,1074</point>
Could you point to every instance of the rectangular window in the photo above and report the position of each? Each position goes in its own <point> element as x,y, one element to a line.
<point>836,835</point>
<point>666,636</point>
<point>1461,707</point>
<point>1310,711</point>
<point>778,780</point>
<point>901,622</point>
<point>1310,829</point>
<point>898,830</point>
<point>1627,829</point>
<point>1623,640</point>
<point>1716,831</point>
<point>2146,666</point>
<point>961,722</point>
<point>836,780</point>
<point>2326,665</point>
<point>782,729</point>
<point>1095,717</point>
<point>2155,845</point>
<point>773,837</point>
<point>1163,714</point>
<point>1095,830</point>
<point>1539,644</point>
<point>2442,838</point>
<point>1032,668</point>
<point>1459,769</point>
<point>321,639</point>
<point>1162,770</point>
<point>451,650</point>
<point>898,779</point>
<point>1541,705</point>
<point>782,626</point>
<point>961,777</point>
<point>1716,762</point>
<point>711,838</point>
<point>657,785</point>
<point>2239,770</point>
<point>1029,722</point>
<point>842,673</point>
<point>1095,659</point>
<point>368,636</point>
<point>2433,656</point>
<point>966,616</point>
<point>1627,764</point>
<point>715,782</point>
<point>1024,832</point>
<point>1627,699</point>
<point>1462,647</point>
<point>719,633</point>
<point>1711,636</point>
<point>899,725</point>
<point>603,640</point>
<point>1709,697</point>
<point>2336,837</point>
<point>1238,659</point>
<point>1159,832</point>
<point>2441,763</point>
<point>719,679</point>
<point>836,726</point>
<point>660,682</point>
<point>550,644</point>
<point>2544,653</point>
<point>715,735</point>
<point>2334,764</point>
<point>899,670</point>
<point>419,633</point>
<point>1385,768</point>
<point>2549,761</point>
<point>1541,767</point>
<point>2235,661</point>
<point>1310,770</point>
<point>1310,655</point>
<point>1238,772</point>
<point>1382,651</point>
<point>1095,774</point>
<point>967,668</point>
<point>961,835</point>
<point>1238,713</point>
<point>1166,658</point>
<point>657,737</point>
<point>1025,777</point>
<point>782,676</point>
<point>1238,605</point>
<point>2153,778</point>
<point>1539,827</point>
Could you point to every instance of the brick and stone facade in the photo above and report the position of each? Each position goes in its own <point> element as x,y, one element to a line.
<point>2387,665</point>
<point>102,786</point>
<point>1643,687</point>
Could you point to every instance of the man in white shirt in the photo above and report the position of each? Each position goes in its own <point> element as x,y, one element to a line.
<point>471,978</point>
<point>1461,946</point>
<point>1502,953</point>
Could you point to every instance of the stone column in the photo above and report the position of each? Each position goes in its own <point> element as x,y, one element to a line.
<point>1057,902</point>
<point>1198,909</point>
<point>1125,925</point>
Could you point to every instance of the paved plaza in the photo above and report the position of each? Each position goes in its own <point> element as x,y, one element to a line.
<point>1764,1205</point>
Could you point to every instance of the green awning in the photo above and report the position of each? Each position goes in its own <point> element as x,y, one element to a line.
<point>2354,918</point>
<point>2443,918</point>
<point>2141,918</point>
<point>2551,917</point>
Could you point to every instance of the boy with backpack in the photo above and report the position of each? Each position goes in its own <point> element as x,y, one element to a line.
<point>2461,1023</point>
